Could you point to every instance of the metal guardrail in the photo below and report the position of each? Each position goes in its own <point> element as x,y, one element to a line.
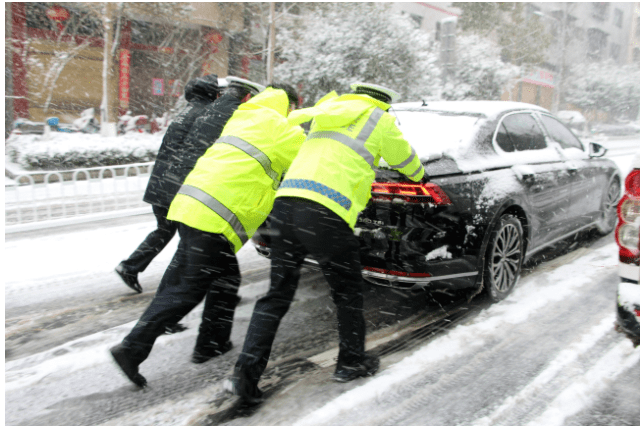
<point>42,196</point>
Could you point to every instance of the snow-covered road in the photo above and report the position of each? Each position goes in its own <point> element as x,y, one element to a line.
<point>547,355</point>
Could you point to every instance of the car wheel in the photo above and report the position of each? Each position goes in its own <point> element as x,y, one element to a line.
<point>607,222</point>
<point>503,260</point>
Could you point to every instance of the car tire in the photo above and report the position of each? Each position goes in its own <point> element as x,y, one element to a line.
<point>607,222</point>
<point>503,258</point>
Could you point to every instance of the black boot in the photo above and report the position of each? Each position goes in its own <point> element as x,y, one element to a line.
<point>127,365</point>
<point>175,328</point>
<point>240,385</point>
<point>129,278</point>
<point>202,354</point>
<point>366,367</point>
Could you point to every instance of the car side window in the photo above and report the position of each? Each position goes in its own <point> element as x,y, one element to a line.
<point>520,132</point>
<point>559,133</point>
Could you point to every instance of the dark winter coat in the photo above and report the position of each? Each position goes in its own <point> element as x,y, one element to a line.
<point>205,131</point>
<point>167,175</point>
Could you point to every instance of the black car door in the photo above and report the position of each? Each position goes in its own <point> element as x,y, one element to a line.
<point>542,173</point>
<point>588,177</point>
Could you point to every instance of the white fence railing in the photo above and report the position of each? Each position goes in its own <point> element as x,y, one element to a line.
<point>42,196</point>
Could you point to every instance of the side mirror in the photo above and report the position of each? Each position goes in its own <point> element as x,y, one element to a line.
<point>596,150</point>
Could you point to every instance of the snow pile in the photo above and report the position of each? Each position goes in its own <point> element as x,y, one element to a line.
<point>629,297</point>
<point>79,150</point>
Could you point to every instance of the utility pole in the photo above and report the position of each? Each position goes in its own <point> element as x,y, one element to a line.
<point>272,42</point>
<point>107,125</point>
<point>557,97</point>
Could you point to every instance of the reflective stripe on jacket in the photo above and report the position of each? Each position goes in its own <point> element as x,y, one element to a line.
<point>231,189</point>
<point>335,165</point>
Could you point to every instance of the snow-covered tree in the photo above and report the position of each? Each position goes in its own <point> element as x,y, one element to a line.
<point>479,73</point>
<point>331,47</point>
<point>607,87</point>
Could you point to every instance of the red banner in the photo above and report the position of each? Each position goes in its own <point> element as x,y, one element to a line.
<point>125,77</point>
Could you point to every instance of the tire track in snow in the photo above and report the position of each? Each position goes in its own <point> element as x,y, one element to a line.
<point>582,393</point>
<point>530,298</point>
<point>562,360</point>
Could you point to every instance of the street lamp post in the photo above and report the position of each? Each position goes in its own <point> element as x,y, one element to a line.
<point>557,95</point>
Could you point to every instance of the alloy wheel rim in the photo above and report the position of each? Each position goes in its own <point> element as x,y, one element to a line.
<point>506,258</point>
<point>611,203</point>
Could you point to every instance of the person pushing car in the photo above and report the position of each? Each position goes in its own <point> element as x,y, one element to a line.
<point>314,214</point>
<point>224,199</point>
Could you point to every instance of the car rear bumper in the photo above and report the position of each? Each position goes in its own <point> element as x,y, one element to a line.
<point>463,278</point>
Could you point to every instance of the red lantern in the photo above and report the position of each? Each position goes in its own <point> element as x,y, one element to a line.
<point>58,14</point>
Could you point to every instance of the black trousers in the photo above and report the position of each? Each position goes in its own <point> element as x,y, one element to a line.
<point>153,244</point>
<point>203,266</point>
<point>302,228</point>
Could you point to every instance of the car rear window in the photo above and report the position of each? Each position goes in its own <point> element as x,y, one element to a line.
<point>434,132</point>
<point>520,132</point>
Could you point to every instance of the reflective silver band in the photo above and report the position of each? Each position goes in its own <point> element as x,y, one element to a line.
<point>217,207</point>
<point>415,173</point>
<point>255,153</point>
<point>348,141</point>
<point>357,144</point>
<point>406,162</point>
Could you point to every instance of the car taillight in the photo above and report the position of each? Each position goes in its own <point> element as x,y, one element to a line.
<point>628,229</point>
<point>632,183</point>
<point>410,192</point>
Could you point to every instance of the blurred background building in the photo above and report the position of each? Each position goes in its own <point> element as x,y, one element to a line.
<point>54,55</point>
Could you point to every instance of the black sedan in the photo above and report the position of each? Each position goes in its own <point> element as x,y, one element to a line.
<point>507,180</point>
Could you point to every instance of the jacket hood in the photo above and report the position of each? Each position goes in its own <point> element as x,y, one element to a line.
<point>334,111</point>
<point>205,88</point>
<point>271,98</point>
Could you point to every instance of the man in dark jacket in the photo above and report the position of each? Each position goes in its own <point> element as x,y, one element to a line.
<point>166,178</point>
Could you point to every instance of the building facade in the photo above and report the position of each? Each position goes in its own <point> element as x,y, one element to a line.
<point>55,56</point>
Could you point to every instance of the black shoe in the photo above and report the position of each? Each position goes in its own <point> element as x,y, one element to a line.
<point>246,389</point>
<point>368,367</point>
<point>130,279</point>
<point>127,366</point>
<point>201,355</point>
<point>176,328</point>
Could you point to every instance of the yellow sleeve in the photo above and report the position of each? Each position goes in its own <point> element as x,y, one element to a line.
<point>291,139</point>
<point>398,152</point>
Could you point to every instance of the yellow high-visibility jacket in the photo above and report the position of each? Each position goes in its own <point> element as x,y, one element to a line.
<point>231,189</point>
<point>335,165</point>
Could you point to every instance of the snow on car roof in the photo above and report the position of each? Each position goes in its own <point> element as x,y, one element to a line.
<point>488,108</point>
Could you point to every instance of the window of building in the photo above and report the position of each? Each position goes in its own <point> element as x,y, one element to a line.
<point>520,132</point>
<point>146,33</point>
<point>615,51</point>
<point>618,17</point>
<point>600,10</point>
<point>597,44</point>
